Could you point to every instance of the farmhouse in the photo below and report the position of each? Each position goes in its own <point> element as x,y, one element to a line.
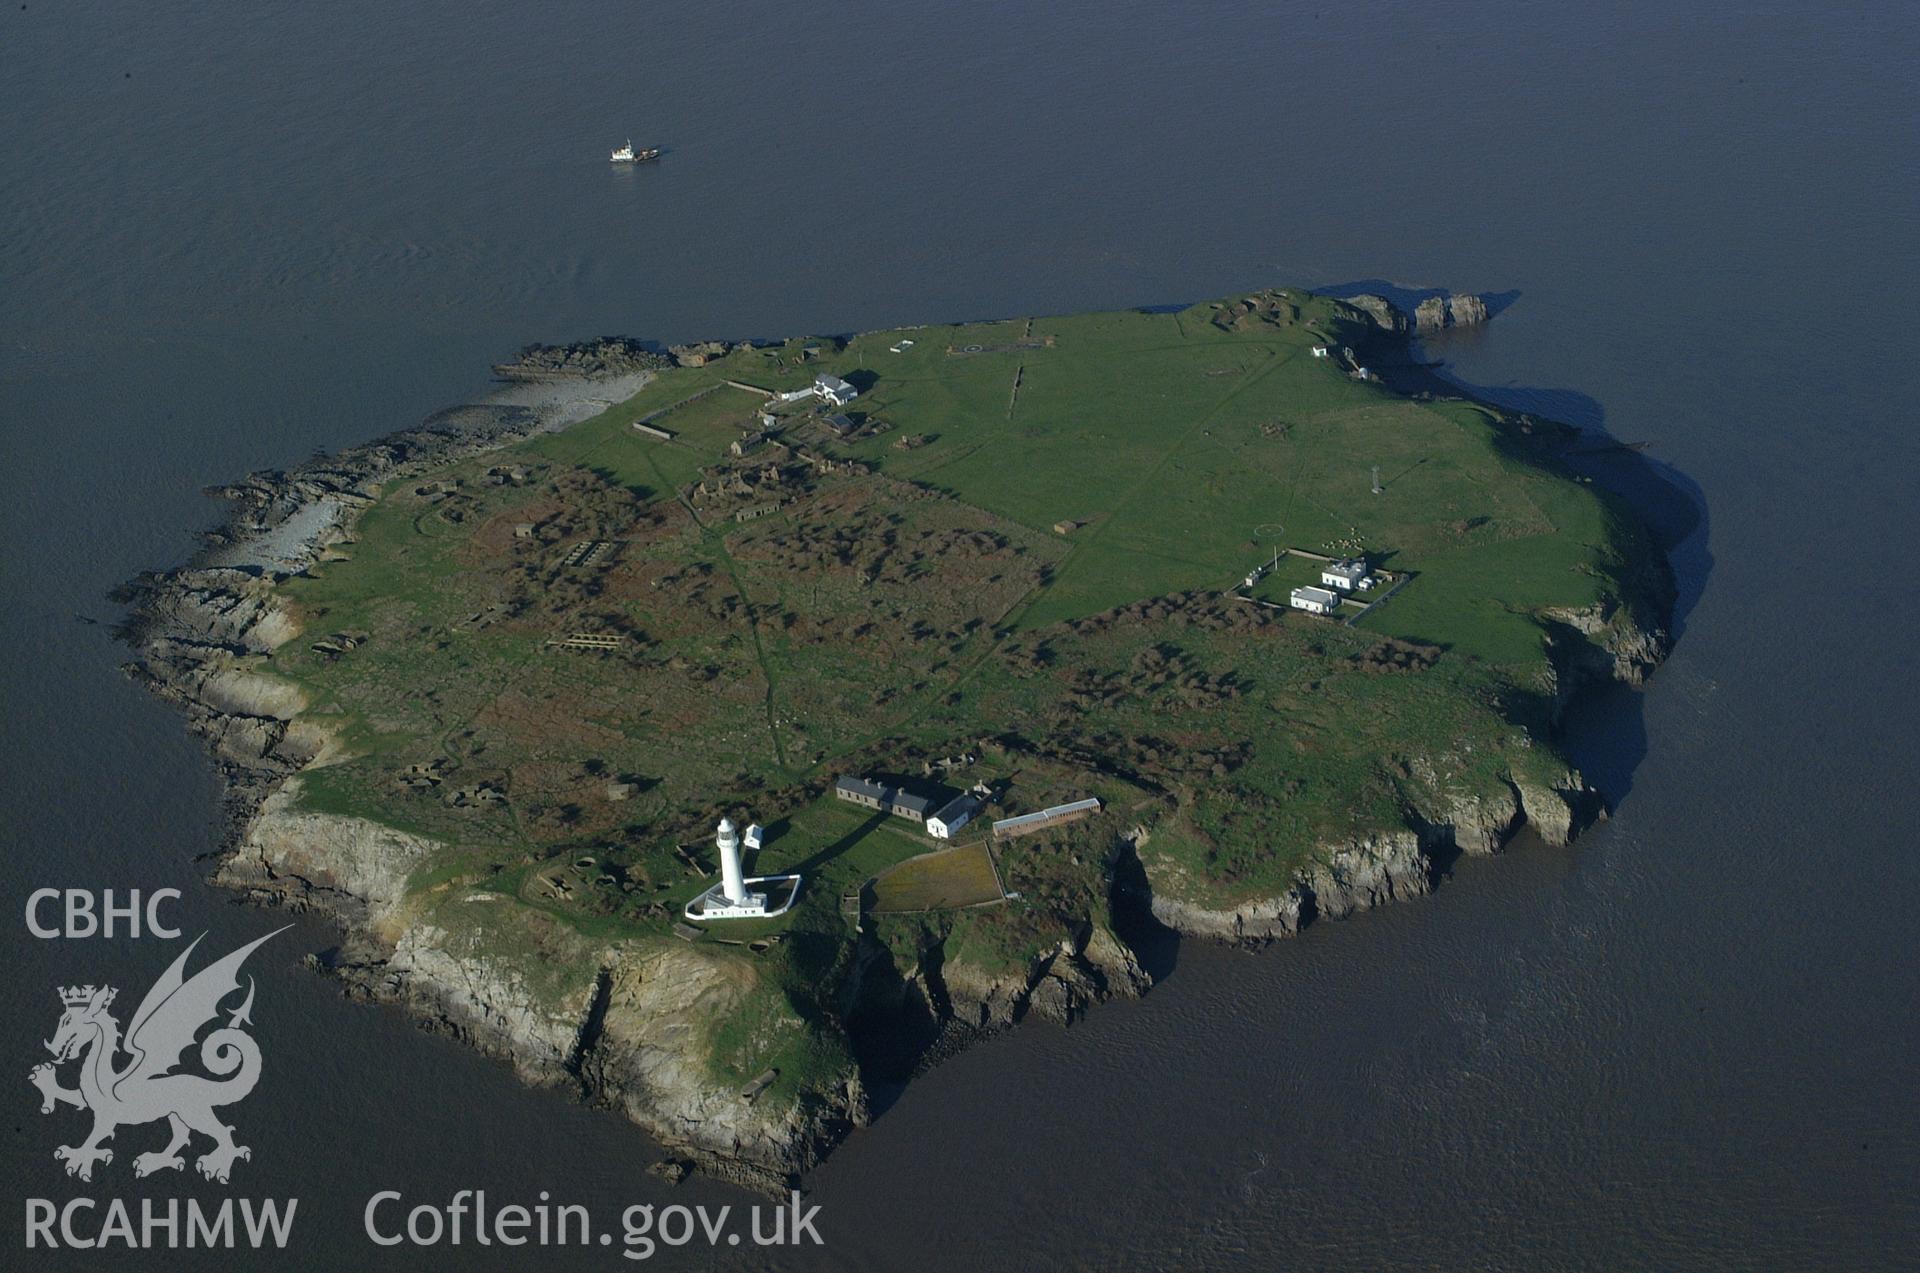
<point>956,813</point>
<point>1314,600</point>
<point>831,388</point>
<point>1344,575</point>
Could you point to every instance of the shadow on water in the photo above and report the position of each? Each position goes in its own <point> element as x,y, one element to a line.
<point>1605,734</point>
<point>1154,945</point>
<point>1406,299</point>
<point>900,1028</point>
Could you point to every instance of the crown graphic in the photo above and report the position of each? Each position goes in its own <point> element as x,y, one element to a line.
<point>76,996</point>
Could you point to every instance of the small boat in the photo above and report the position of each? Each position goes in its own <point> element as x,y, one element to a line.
<point>628,155</point>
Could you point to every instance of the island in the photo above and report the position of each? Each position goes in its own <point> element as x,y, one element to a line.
<point>960,639</point>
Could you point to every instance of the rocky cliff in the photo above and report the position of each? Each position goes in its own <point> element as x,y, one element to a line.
<point>1431,315</point>
<point>619,1025</point>
<point>1343,880</point>
<point>596,359</point>
<point>1371,870</point>
<point>624,1024</point>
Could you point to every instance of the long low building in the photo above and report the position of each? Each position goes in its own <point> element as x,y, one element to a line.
<point>1053,815</point>
<point>877,795</point>
<point>864,791</point>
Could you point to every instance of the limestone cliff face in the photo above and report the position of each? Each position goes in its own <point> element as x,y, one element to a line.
<point>1558,811</point>
<point>1608,641</point>
<point>1343,880</point>
<point>624,1024</point>
<point>1370,870</point>
<point>1479,823</point>
<point>1619,640</point>
<point>350,867</point>
<point>1384,313</point>
<point>628,1024</point>
<point>196,635</point>
<point>487,997</point>
<point>1062,983</point>
<point>1465,311</point>
<point>648,1057</point>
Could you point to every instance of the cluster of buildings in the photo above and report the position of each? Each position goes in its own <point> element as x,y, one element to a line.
<point>1355,370</point>
<point>737,895</point>
<point>1337,578</point>
<point>827,387</point>
<point>940,815</point>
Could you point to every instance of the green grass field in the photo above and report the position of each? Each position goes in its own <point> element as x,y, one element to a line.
<point>1177,443</point>
<point>921,602</point>
<point>946,879</point>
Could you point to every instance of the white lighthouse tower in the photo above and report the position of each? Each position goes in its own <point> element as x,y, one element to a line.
<point>731,898</point>
<point>733,884</point>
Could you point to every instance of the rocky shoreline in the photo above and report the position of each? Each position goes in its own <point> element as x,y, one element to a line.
<point>609,1040</point>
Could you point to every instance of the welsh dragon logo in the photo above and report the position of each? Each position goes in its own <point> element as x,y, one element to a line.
<point>146,1088</point>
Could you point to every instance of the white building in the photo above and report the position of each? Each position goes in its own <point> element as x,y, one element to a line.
<point>833,389</point>
<point>1314,600</point>
<point>1345,575</point>
<point>734,900</point>
<point>953,815</point>
<point>1319,351</point>
<point>734,897</point>
<point>754,837</point>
